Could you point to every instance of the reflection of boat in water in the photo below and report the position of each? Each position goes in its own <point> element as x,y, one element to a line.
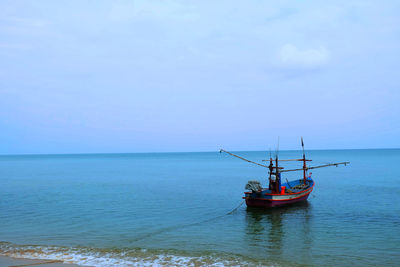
<point>257,219</point>
<point>278,194</point>
<point>278,234</point>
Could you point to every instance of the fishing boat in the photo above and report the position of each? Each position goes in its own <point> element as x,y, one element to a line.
<point>278,193</point>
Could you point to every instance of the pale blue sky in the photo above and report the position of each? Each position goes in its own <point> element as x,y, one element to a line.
<point>142,76</point>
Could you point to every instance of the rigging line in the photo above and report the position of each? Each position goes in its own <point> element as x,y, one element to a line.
<point>321,162</point>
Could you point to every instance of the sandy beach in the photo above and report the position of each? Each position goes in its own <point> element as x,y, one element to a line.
<point>13,262</point>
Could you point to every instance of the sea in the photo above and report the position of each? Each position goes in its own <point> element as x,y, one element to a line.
<point>186,209</point>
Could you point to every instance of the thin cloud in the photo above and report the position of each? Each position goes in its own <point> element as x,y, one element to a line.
<point>290,55</point>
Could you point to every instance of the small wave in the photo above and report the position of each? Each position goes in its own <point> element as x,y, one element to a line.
<point>119,257</point>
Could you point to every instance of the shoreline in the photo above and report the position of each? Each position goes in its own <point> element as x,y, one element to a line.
<point>16,262</point>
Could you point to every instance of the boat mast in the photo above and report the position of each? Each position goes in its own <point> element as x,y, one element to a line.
<point>277,175</point>
<point>270,186</point>
<point>304,162</point>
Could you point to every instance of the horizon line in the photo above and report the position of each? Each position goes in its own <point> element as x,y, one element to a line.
<point>170,152</point>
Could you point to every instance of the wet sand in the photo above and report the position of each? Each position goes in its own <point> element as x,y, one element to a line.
<point>9,262</point>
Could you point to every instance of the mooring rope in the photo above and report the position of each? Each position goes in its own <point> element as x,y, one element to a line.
<point>235,209</point>
<point>170,228</point>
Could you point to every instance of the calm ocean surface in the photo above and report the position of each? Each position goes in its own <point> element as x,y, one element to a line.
<point>174,209</point>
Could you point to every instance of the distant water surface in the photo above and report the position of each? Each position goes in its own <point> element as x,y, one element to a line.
<point>175,209</point>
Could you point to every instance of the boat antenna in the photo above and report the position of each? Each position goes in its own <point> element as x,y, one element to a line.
<point>277,176</point>
<point>277,148</point>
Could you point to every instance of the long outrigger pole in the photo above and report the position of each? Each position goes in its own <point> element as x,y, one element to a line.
<point>243,158</point>
<point>320,166</point>
<point>304,169</point>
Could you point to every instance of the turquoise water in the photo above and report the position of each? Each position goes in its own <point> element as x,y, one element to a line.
<point>175,209</point>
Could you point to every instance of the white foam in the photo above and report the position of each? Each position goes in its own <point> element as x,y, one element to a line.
<point>106,258</point>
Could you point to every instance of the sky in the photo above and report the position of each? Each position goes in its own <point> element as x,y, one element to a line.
<point>171,76</point>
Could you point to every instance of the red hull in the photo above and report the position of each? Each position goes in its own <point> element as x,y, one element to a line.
<point>268,203</point>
